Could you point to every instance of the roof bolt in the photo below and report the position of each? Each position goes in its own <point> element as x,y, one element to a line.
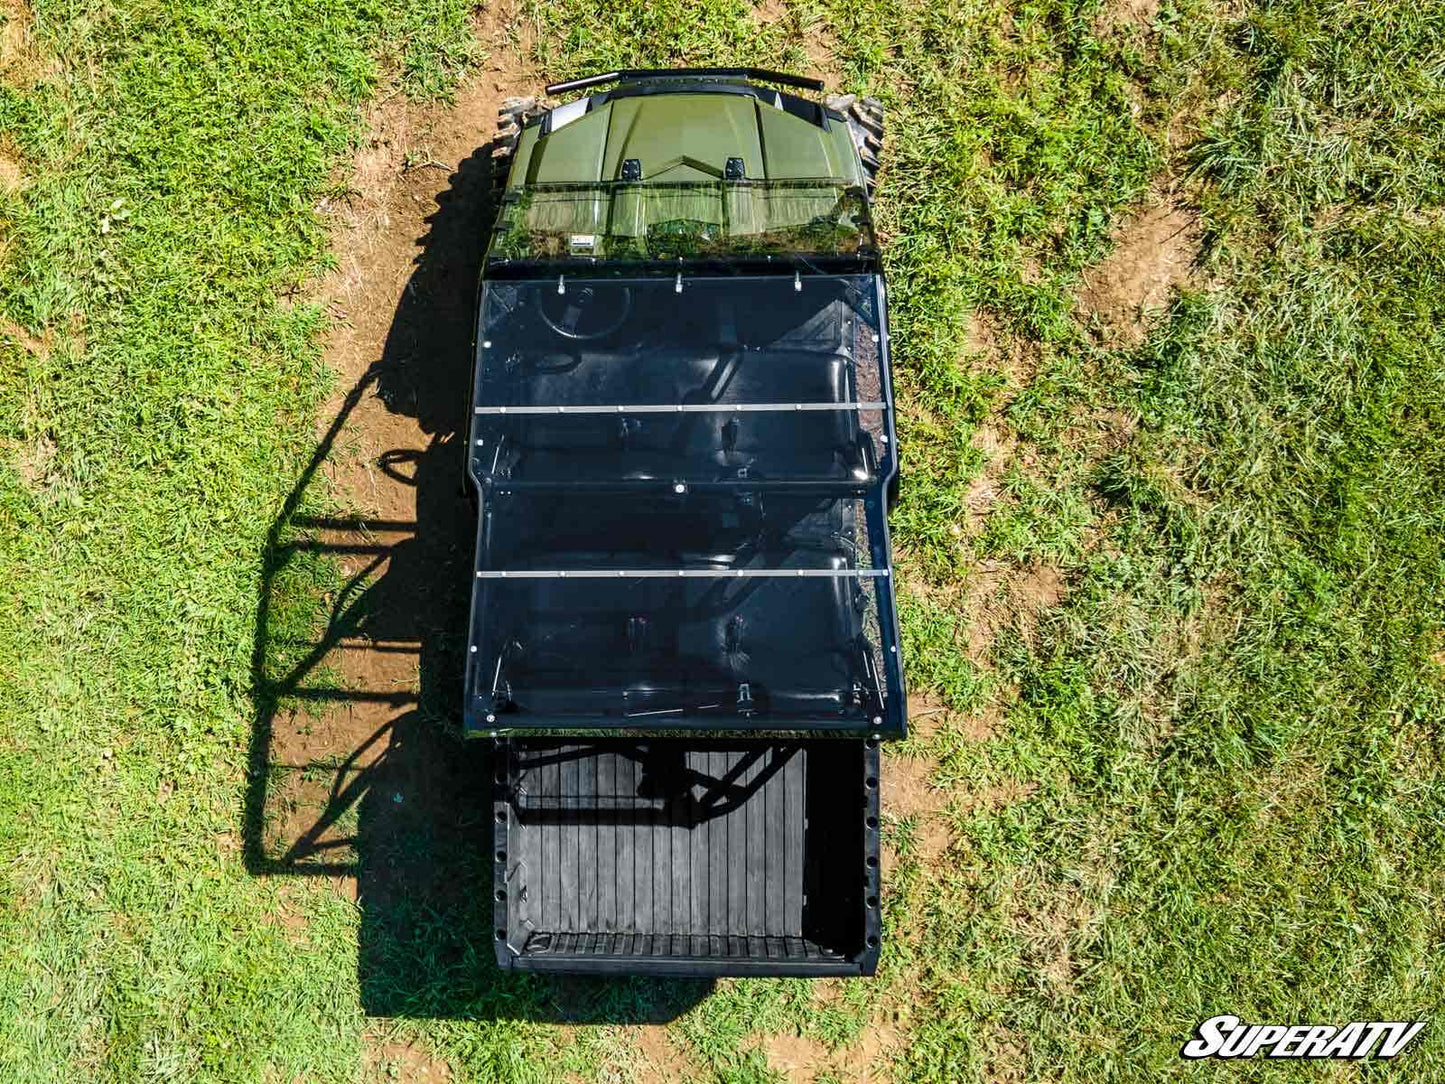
<point>491,719</point>
<point>679,488</point>
<point>474,649</point>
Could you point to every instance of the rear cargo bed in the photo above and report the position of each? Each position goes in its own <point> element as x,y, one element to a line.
<point>694,857</point>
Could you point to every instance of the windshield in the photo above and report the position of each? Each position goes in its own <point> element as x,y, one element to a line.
<point>627,220</point>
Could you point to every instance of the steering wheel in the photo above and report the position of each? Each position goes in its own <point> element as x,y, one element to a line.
<point>585,312</point>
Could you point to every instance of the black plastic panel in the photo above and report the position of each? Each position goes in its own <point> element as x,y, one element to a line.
<point>654,382</point>
<point>722,611</point>
<point>681,496</point>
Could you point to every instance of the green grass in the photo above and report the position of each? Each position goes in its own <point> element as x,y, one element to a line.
<point>1222,744</point>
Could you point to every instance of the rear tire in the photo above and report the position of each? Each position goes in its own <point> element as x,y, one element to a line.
<point>865,125</point>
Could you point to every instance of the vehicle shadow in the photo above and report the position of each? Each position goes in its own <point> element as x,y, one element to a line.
<point>357,768</point>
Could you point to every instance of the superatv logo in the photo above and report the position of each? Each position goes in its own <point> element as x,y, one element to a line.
<point>1226,1037</point>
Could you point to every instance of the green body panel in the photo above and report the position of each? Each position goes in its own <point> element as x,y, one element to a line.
<point>683,137</point>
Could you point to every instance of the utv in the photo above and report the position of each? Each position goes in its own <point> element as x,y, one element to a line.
<point>682,639</point>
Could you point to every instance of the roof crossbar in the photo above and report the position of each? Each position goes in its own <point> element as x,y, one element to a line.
<point>678,408</point>
<point>680,573</point>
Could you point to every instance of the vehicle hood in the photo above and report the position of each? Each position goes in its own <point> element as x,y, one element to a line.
<point>679,137</point>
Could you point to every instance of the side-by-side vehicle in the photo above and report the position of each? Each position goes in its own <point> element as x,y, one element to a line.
<point>683,639</point>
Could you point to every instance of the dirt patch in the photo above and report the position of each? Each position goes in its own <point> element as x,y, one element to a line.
<point>983,335</point>
<point>997,444</point>
<point>658,1061</point>
<point>982,725</point>
<point>926,717</point>
<point>1004,1057</point>
<point>1118,15</point>
<point>905,788</point>
<point>887,861</point>
<point>12,174</point>
<point>1038,588</point>
<point>866,1059</point>
<point>988,342</point>
<point>35,462</point>
<point>1051,928</point>
<point>871,1054</point>
<point>1154,253</point>
<point>291,916</point>
<point>38,346</point>
<point>827,991</point>
<point>796,1058</point>
<point>770,11</point>
<point>820,50</point>
<point>1116,428</point>
<point>808,34</point>
<point>22,59</point>
<point>1000,596</point>
<point>932,842</point>
<point>406,1062</point>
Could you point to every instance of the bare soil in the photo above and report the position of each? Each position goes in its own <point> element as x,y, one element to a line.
<point>1154,253</point>
<point>35,461</point>
<point>399,1061</point>
<point>1116,15</point>
<point>800,1060</point>
<point>934,839</point>
<point>794,1057</point>
<point>22,59</point>
<point>12,174</point>
<point>988,343</point>
<point>926,717</point>
<point>874,1048</point>
<point>657,1060</point>
<point>997,443</point>
<point>906,789</point>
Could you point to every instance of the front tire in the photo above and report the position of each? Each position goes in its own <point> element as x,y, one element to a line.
<point>511,118</point>
<point>865,125</point>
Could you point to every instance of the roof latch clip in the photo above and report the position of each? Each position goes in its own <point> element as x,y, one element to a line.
<point>745,699</point>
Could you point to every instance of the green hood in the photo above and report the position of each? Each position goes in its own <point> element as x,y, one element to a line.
<point>680,137</point>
